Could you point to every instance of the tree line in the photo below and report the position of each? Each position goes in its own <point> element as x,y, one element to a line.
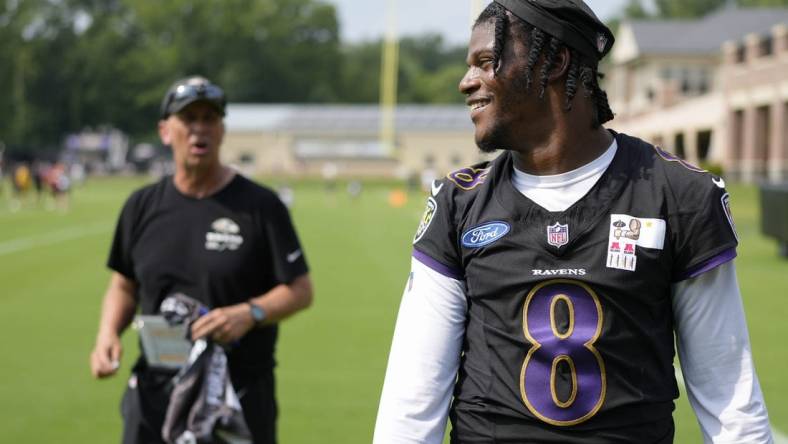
<point>70,64</point>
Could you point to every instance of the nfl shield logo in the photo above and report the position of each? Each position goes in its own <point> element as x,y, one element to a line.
<point>558,235</point>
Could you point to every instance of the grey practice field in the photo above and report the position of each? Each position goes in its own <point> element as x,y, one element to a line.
<point>331,358</point>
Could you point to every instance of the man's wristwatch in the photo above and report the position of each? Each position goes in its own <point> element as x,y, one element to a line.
<point>257,312</point>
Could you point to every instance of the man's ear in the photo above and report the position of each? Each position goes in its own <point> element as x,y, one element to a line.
<point>561,66</point>
<point>164,132</point>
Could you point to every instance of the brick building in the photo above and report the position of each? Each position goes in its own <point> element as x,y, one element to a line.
<point>713,90</point>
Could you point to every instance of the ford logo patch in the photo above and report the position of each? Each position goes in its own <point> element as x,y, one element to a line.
<point>484,234</point>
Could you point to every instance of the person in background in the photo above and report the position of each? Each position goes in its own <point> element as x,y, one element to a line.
<point>217,237</point>
<point>21,184</point>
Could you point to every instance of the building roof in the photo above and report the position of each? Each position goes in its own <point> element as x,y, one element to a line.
<point>344,118</point>
<point>706,35</point>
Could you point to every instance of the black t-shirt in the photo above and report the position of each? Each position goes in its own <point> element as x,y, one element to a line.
<point>221,250</point>
<point>569,332</point>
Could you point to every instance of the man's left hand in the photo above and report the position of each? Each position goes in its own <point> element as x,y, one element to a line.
<point>224,325</point>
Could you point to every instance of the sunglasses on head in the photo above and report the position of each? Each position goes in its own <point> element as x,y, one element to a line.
<point>198,91</point>
<point>191,92</point>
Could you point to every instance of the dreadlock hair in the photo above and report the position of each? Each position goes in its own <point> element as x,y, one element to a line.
<point>545,46</point>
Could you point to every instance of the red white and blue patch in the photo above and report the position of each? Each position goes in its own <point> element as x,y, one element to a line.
<point>558,235</point>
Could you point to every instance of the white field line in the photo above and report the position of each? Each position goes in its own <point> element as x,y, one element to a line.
<point>51,238</point>
<point>778,436</point>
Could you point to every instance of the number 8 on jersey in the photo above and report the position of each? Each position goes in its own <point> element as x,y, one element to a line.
<point>565,348</point>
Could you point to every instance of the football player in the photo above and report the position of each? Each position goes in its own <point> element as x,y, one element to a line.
<point>547,285</point>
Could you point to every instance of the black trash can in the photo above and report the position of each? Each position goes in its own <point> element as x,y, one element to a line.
<point>774,214</point>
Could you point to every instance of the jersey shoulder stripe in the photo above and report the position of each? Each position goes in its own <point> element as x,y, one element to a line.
<point>691,186</point>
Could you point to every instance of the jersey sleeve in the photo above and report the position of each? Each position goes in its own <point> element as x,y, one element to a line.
<point>704,232</point>
<point>424,359</point>
<point>286,252</point>
<point>716,358</point>
<point>435,242</point>
<point>122,242</point>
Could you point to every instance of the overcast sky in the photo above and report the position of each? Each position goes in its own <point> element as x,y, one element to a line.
<point>365,19</point>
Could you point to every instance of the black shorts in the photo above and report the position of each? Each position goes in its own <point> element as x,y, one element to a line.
<point>144,406</point>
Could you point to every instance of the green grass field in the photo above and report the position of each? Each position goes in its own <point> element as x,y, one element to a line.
<point>331,358</point>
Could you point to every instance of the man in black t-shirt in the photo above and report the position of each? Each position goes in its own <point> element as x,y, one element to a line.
<point>214,235</point>
<point>546,285</point>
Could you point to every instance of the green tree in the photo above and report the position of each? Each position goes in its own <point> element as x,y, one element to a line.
<point>28,30</point>
<point>635,10</point>
<point>360,75</point>
<point>260,50</point>
<point>429,71</point>
<point>763,2</point>
<point>67,64</point>
<point>686,9</point>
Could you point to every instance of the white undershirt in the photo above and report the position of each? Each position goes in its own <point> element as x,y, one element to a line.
<point>711,335</point>
<point>559,192</point>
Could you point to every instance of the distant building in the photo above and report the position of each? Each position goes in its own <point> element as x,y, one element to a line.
<point>713,90</point>
<point>302,139</point>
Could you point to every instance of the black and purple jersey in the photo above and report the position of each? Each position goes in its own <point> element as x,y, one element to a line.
<point>569,332</point>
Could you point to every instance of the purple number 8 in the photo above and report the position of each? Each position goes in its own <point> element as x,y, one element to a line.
<point>575,347</point>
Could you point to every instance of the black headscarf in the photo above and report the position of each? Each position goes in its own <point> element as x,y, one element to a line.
<point>571,21</point>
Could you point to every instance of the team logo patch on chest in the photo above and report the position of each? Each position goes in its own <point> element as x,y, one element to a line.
<point>626,234</point>
<point>558,235</point>
<point>225,234</point>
